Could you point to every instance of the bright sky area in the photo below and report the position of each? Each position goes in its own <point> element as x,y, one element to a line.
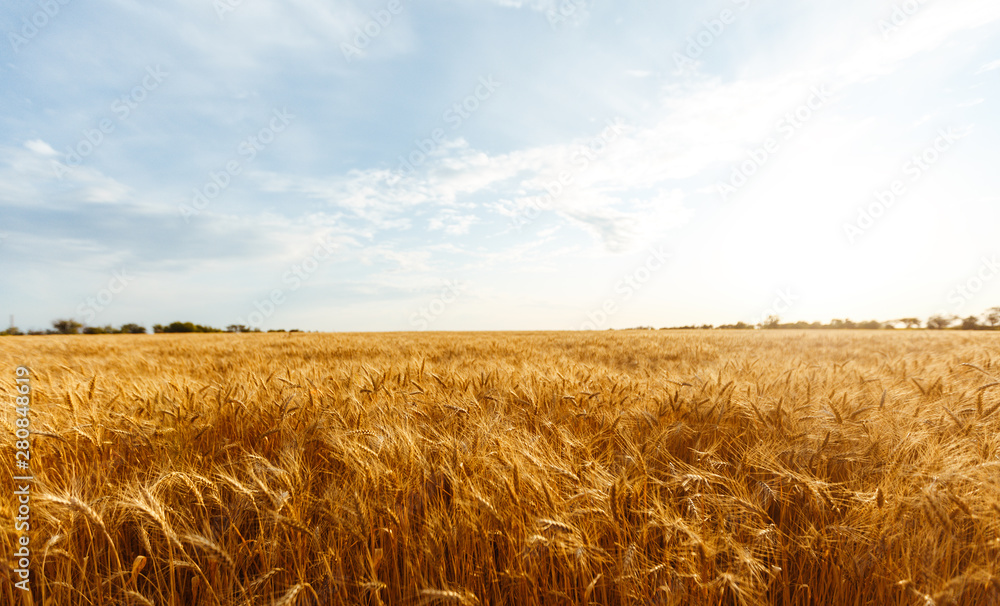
<point>497,164</point>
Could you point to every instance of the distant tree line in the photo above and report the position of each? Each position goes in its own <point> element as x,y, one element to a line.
<point>989,320</point>
<point>184,327</point>
<point>72,327</point>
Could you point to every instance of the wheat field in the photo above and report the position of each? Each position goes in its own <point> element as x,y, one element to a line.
<point>625,467</point>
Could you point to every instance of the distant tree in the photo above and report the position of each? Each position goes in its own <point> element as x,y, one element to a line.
<point>184,327</point>
<point>132,329</point>
<point>94,330</point>
<point>939,322</point>
<point>871,325</point>
<point>13,331</point>
<point>67,327</point>
<point>236,328</point>
<point>992,316</point>
<point>772,321</point>
<point>911,322</point>
<point>971,323</point>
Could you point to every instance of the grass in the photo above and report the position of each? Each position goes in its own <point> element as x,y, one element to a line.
<point>744,467</point>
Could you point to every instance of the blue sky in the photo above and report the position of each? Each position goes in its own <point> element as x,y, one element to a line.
<point>497,164</point>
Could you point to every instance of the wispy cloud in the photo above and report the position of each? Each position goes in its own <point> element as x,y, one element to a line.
<point>992,65</point>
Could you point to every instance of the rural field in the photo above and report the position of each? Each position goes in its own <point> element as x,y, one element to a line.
<point>619,467</point>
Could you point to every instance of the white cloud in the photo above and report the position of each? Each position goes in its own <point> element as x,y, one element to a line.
<point>927,30</point>
<point>989,67</point>
<point>972,103</point>
<point>558,12</point>
<point>616,229</point>
<point>40,147</point>
<point>544,6</point>
<point>452,223</point>
<point>616,177</point>
<point>403,261</point>
<point>30,176</point>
